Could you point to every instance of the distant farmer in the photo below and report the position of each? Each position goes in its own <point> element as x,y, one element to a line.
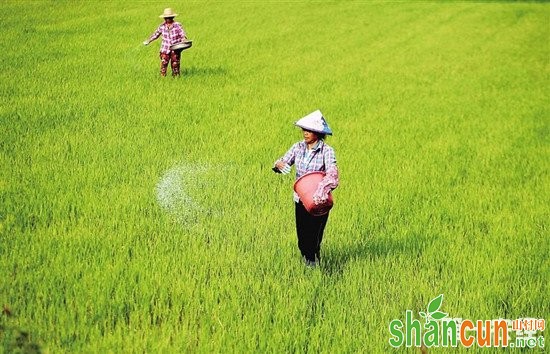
<point>311,154</point>
<point>172,33</point>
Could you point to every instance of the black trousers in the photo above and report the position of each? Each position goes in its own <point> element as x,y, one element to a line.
<point>310,232</point>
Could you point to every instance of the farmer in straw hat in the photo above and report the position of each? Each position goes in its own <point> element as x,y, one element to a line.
<point>172,33</point>
<point>311,154</point>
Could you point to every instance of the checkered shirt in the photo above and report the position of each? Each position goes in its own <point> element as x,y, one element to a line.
<point>170,36</point>
<point>319,158</point>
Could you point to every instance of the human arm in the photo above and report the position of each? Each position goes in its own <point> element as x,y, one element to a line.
<point>331,179</point>
<point>154,36</point>
<point>283,164</point>
<point>180,34</point>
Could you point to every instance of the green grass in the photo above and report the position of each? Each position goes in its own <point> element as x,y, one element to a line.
<point>441,121</point>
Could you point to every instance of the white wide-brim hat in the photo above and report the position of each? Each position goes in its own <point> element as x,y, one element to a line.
<point>168,12</point>
<point>315,122</point>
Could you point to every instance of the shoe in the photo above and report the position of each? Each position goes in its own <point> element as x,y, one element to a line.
<point>311,264</point>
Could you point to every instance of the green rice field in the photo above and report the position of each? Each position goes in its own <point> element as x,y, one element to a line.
<point>140,213</point>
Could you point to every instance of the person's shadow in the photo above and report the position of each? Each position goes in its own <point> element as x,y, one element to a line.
<point>368,246</point>
<point>204,71</point>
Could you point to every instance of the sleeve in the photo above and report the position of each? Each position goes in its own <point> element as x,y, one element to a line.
<point>331,179</point>
<point>290,155</point>
<point>156,34</point>
<point>181,32</point>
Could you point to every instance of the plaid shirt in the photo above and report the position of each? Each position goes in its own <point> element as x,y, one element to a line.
<point>320,158</point>
<point>170,36</point>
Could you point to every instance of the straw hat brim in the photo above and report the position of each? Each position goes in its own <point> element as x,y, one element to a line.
<point>311,129</point>
<point>167,16</point>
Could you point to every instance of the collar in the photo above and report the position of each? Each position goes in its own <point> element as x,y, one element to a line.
<point>317,146</point>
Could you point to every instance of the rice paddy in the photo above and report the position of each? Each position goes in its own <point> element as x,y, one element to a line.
<point>140,213</point>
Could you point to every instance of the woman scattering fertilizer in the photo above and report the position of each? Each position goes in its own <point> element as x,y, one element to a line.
<point>172,33</point>
<point>310,155</point>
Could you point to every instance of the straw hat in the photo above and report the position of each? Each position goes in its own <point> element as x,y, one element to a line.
<point>315,122</point>
<point>168,12</point>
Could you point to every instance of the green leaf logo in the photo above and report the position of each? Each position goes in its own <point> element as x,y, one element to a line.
<point>433,309</point>
<point>435,304</point>
<point>438,315</point>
